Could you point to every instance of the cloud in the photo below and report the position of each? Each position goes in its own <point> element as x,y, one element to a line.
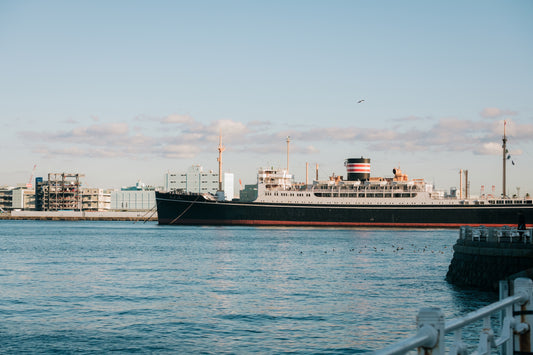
<point>79,152</point>
<point>521,131</point>
<point>227,128</point>
<point>190,138</point>
<point>259,124</point>
<point>310,150</point>
<point>71,121</point>
<point>100,130</point>
<point>411,119</point>
<point>494,112</point>
<point>180,151</point>
<point>175,118</point>
<point>490,148</point>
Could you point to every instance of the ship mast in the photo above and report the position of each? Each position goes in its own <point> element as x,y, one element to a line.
<point>288,141</point>
<point>504,146</point>
<point>221,148</point>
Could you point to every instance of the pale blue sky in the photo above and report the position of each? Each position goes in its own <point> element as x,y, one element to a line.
<point>127,90</point>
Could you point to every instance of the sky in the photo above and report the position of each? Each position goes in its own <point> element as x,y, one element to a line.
<point>122,91</point>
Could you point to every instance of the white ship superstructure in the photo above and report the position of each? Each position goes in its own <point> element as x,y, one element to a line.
<point>276,186</point>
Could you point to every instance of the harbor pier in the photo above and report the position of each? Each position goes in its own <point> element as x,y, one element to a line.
<point>484,256</point>
<point>81,215</point>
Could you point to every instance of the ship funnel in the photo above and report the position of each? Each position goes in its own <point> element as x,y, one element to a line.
<point>357,169</point>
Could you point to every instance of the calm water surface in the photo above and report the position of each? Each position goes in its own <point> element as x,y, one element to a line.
<point>93,287</point>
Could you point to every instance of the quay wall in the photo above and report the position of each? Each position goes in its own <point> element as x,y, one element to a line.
<point>81,216</point>
<point>481,262</point>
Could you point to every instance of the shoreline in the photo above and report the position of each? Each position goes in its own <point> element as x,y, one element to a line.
<point>80,216</point>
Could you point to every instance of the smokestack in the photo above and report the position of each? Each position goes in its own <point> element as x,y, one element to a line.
<point>307,173</point>
<point>316,171</point>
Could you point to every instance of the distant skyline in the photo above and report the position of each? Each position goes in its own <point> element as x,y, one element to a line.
<point>124,91</point>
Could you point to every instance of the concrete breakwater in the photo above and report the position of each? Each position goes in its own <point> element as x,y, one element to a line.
<point>484,256</point>
<point>81,216</point>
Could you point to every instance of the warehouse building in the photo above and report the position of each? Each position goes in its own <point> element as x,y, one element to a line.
<point>134,198</point>
<point>196,180</point>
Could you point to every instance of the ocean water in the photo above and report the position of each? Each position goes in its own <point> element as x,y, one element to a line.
<point>99,287</point>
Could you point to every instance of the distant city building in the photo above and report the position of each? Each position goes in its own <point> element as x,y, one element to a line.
<point>6,198</point>
<point>17,198</point>
<point>23,199</point>
<point>227,186</point>
<point>94,199</point>
<point>134,198</point>
<point>196,180</point>
<point>61,191</point>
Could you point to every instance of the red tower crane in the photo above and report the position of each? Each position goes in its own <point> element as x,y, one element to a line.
<point>29,184</point>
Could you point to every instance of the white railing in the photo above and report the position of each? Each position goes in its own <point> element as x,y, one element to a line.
<point>515,334</point>
<point>499,235</point>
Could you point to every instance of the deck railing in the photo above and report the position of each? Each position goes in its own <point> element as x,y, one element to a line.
<point>515,334</point>
<point>504,234</point>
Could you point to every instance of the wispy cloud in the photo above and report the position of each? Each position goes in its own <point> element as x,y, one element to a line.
<point>185,138</point>
<point>175,118</point>
<point>494,112</point>
<point>411,119</point>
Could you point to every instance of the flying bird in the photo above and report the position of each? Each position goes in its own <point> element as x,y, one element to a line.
<point>360,101</point>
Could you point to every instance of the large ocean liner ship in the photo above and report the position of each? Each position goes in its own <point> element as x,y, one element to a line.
<point>358,201</point>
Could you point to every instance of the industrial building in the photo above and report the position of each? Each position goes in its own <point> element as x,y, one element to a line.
<point>196,180</point>
<point>96,200</point>
<point>64,192</point>
<point>23,199</point>
<point>135,198</point>
<point>61,191</point>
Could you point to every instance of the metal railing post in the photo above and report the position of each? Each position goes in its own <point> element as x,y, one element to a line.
<point>515,335</point>
<point>523,316</point>
<point>431,321</point>
<point>505,318</point>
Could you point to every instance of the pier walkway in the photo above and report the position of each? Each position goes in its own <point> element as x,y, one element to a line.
<point>504,234</point>
<point>81,215</point>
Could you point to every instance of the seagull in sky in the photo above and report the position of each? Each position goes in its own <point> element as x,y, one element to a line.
<point>360,101</point>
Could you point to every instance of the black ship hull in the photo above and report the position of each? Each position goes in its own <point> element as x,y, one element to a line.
<point>184,209</point>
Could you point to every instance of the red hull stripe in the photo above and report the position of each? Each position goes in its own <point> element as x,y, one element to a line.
<point>329,224</point>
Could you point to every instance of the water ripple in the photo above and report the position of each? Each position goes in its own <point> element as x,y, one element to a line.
<point>93,287</point>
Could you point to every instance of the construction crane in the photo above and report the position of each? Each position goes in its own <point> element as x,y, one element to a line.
<point>29,184</point>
